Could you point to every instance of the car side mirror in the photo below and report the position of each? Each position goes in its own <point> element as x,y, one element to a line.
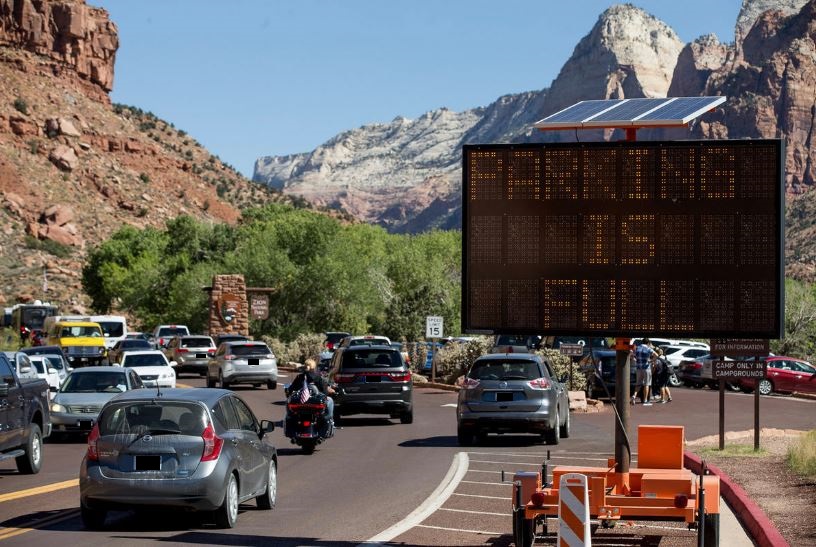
<point>25,370</point>
<point>267,427</point>
<point>52,371</point>
<point>173,363</point>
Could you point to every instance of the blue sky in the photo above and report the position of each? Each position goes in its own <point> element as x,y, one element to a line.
<point>250,78</point>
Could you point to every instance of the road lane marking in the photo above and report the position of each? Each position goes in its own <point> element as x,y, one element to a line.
<point>473,512</point>
<point>482,532</point>
<point>483,471</point>
<point>7,533</point>
<point>183,386</point>
<point>478,496</point>
<point>451,405</point>
<point>514,463</point>
<point>542,454</point>
<point>39,490</point>
<point>488,483</point>
<point>438,497</point>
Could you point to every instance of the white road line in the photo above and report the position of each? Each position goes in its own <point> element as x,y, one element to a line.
<point>488,483</point>
<point>483,471</point>
<point>543,454</point>
<point>478,496</point>
<point>450,405</point>
<point>475,512</point>
<point>457,471</point>
<point>509,463</point>
<point>483,532</point>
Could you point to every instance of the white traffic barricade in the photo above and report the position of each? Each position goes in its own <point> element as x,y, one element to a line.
<point>573,511</point>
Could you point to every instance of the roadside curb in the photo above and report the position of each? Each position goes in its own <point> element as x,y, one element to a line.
<point>800,395</point>
<point>446,387</point>
<point>749,514</point>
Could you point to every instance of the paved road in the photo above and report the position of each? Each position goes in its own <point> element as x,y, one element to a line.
<point>370,476</point>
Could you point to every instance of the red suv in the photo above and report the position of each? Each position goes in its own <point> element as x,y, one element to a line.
<point>785,374</point>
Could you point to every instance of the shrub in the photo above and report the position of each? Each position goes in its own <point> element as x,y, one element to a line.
<point>801,456</point>
<point>417,354</point>
<point>142,212</point>
<point>561,365</point>
<point>206,205</point>
<point>144,177</point>
<point>21,105</point>
<point>9,339</point>
<point>454,359</point>
<point>305,346</point>
<point>51,247</point>
<point>33,146</point>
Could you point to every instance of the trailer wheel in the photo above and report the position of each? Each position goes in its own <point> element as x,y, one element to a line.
<point>711,536</point>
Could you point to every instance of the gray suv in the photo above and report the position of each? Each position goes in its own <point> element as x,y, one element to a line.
<point>243,363</point>
<point>195,449</point>
<point>512,393</point>
<point>372,380</point>
<point>191,353</point>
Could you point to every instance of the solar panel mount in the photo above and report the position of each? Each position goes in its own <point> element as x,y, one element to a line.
<point>630,113</point>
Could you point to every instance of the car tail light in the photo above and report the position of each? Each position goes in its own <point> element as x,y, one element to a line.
<point>400,376</point>
<point>212,444</point>
<point>343,378</point>
<point>330,346</point>
<point>307,423</point>
<point>681,501</point>
<point>538,498</point>
<point>182,350</point>
<point>539,383</point>
<point>695,365</point>
<point>509,349</point>
<point>269,356</point>
<point>161,341</point>
<point>93,437</point>
<point>306,406</point>
<point>211,351</point>
<point>470,383</point>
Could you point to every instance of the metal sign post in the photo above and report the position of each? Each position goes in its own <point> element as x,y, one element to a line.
<point>734,370</point>
<point>572,351</point>
<point>623,453</point>
<point>433,330</point>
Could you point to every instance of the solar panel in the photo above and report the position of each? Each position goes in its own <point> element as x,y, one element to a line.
<point>625,111</point>
<point>674,111</point>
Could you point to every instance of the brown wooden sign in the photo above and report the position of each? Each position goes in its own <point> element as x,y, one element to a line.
<point>259,306</point>
<point>755,347</point>
<point>573,350</point>
<point>734,370</point>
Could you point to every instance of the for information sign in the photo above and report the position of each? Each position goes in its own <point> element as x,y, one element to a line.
<point>755,347</point>
<point>573,350</point>
<point>734,370</point>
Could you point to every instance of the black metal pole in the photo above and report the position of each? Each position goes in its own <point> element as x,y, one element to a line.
<point>622,374</point>
<point>701,509</point>
<point>756,418</point>
<point>722,414</point>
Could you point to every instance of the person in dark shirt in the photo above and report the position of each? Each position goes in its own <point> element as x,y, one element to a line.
<point>309,375</point>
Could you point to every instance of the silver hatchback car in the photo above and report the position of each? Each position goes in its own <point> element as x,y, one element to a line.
<point>244,362</point>
<point>512,393</point>
<point>195,449</point>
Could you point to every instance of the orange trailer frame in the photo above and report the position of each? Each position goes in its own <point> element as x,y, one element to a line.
<point>660,488</point>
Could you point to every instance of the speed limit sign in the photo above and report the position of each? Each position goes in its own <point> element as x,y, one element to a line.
<point>433,326</point>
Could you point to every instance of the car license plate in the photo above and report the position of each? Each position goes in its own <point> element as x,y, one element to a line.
<point>148,463</point>
<point>504,396</point>
<point>373,379</point>
<point>254,362</point>
<point>85,425</point>
<point>201,355</point>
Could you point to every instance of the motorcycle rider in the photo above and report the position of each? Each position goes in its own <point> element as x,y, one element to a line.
<point>309,375</point>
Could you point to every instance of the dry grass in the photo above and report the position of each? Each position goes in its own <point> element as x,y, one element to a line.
<point>734,450</point>
<point>801,457</point>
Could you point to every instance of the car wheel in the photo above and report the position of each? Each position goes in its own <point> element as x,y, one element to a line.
<point>765,387</point>
<point>551,435</point>
<point>464,436</point>
<point>674,381</point>
<point>267,499</point>
<point>221,382</point>
<point>565,429</point>
<point>271,384</point>
<point>92,519</point>
<point>407,417</point>
<point>226,516</point>
<point>31,461</point>
<point>210,381</point>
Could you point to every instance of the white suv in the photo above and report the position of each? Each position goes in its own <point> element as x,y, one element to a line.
<point>164,333</point>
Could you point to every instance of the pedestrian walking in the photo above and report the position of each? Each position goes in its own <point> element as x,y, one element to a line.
<point>643,362</point>
<point>662,373</point>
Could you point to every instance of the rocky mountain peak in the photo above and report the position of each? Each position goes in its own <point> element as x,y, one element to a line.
<point>752,9</point>
<point>69,33</point>
<point>628,53</point>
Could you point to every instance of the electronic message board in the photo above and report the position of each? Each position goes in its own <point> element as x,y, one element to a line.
<point>651,238</point>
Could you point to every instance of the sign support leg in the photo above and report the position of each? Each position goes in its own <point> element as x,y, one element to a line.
<point>722,414</point>
<point>622,375</point>
<point>756,418</point>
<point>433,361</point>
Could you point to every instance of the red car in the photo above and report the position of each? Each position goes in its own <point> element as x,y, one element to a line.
<point>785,374</point>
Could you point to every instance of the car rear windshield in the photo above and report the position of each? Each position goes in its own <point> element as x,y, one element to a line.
<point>55,361</point>
<point>95,382</point>
<point>372,358</point>
<point>369,342</point>
<point>505,370</point>
<point>200,342</point>
<point>113,329</point>
<point>154,417</point>
<point>334,337</point>
<point>135,343</point>
<point>173,331</point>
<point>254,349</point>
<point>149,360</point>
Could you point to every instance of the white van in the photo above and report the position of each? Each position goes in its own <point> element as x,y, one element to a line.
<point>114,327</point>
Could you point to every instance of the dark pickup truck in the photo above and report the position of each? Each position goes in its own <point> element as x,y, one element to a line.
<point>24,418</point>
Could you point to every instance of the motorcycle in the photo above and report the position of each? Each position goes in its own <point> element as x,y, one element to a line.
<point>306,424</point>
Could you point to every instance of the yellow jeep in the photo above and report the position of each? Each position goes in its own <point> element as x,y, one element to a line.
<point>82,341</point>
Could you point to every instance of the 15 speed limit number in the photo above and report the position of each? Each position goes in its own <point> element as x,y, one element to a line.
<point>433,326</point>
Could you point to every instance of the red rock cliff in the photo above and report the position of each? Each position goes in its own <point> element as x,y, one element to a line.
<point>68,31</point>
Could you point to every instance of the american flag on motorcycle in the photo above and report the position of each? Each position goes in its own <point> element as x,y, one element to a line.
<point>304,394</point>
